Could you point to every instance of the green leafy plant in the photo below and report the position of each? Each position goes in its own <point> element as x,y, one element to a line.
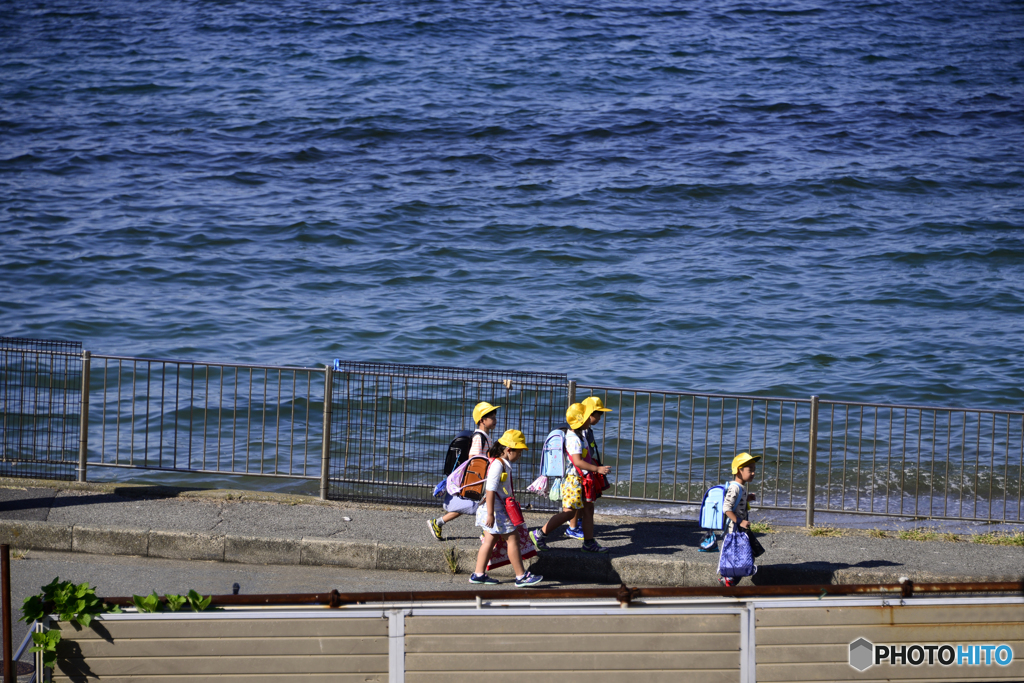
<point>175,602</point>
<point>762,528</point>
<point>148,604</point>
<point>197,602</point>
<point>46,642</point>
<point>78,604</point>
<point>826,531</point>
<point>75,604</point>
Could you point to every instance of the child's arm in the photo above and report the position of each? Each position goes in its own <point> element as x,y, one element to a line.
<point>587,466</point>
<point>490,508</point>
<point>731,499</point>
<point>735,520</point>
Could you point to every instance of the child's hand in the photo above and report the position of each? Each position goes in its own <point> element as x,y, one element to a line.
<point>744,524</point>
<point>604,469</point>
<point>490,520</point>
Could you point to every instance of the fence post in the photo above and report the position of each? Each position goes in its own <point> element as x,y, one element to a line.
<point>572,392</point>
<point>83,419</point>
<point>812,460</point>
<point>325,454</point>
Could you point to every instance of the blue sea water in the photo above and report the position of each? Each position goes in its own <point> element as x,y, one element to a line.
<point>781,198</point>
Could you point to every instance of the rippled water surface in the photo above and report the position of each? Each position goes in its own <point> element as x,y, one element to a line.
<point>784,198</point>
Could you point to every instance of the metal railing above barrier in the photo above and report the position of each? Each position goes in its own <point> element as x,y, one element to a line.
<point>383,434</point>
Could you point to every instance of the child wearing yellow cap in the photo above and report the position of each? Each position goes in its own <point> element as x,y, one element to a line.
<point>575,529</point>
<point>485,416</point>
<point>574,497</point>
<point>491,516</point>
<point>744,467</point>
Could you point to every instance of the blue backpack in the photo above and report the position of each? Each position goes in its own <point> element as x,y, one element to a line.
<point>712,508</point>
<point>552,462</point>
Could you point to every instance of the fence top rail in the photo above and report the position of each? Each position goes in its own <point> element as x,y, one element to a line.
<point>496,376</point>
<point>951,409</point>
<point>695,394</point>
<point>179,361</point>
<point>41,352</point>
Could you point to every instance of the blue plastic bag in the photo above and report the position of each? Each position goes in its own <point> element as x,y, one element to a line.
<point>440,488</point>
<point>736,559</point>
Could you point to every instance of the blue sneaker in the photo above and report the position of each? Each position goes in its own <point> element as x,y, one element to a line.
<point>482,578</point>
<point>538,541</point>
<point>528,579</point>
<point>576,532</point>
<point>709,543</point>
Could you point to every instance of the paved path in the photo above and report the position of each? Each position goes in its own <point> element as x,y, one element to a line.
<point>255,528</point>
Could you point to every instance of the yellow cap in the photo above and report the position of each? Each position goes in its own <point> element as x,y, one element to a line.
<point>513,438</point>
<point>743,459</point>
<point>482,409</point>
<point>596,405</point>
<point>577,415</point>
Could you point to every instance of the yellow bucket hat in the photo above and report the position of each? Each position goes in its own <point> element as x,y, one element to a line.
<point>743,459</point>
<point>577,415</point>
<point>482,409</point>
<point>596,405</point>
<point>513,438</point>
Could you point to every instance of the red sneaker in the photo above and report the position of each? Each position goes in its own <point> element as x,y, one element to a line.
<point>727,581</point>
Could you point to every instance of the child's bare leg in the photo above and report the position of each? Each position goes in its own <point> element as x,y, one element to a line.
<point>485,552</point>
<point>575,521</point>
<point>588,521</point>
<point>557,520</point>
<point>449,516</point>
<point>515,556</point>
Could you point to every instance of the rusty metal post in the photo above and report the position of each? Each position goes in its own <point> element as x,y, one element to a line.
<point>325,454</point>
<point>83,421</point>
<point>812,461</point>
<point>572,392</point>
<point>5,571</point>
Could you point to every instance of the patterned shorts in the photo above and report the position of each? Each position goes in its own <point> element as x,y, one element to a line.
<point>572,492</point>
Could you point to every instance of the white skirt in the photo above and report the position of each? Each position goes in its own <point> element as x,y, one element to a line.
<point>502,524</point>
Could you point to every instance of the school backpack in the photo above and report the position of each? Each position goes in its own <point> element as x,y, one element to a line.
<point>468,479</point>
<point>712,508</point>
<point>552,461</point>
<point>458,450</point>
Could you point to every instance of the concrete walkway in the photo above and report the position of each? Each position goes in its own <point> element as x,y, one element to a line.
<point>260,528</point>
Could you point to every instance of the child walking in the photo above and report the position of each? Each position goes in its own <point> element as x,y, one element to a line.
<point>596,405</point>
<point>486,417</point>
<point>744,467</point>
<point>491,515</point>
<point>581,486</point>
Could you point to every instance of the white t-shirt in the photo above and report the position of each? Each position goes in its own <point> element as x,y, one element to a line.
<point>502,486</point>
<point>573,444</point>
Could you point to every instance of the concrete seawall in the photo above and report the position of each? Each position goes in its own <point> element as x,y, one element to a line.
<point>260,528</point>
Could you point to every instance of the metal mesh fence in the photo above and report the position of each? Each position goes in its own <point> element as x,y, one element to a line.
<point>941,463</point>
<point>206,417</point>
<point>671,446</point>
<point>40,407</point>
<point>391,424</point>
